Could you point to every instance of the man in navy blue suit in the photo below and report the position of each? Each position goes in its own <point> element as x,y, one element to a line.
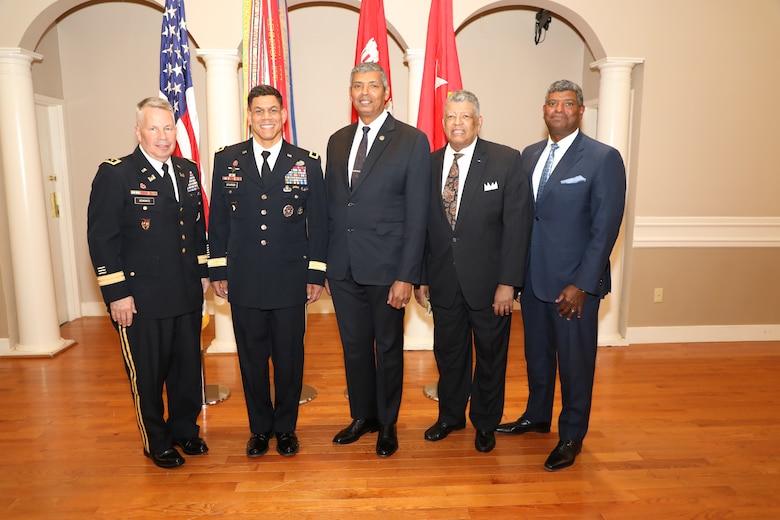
<point>579,186</point>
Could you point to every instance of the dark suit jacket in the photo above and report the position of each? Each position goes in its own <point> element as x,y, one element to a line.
<point>577,219</point>
<point>267,237</point>
<point>378,228</point>
<point>144,243</point>
<point>490,241</point>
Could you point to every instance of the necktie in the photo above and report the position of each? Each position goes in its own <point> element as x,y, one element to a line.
<point>360,157</point>
<point>265,171</point>
<point>171,181</point>
<point>449,195</point>
<point>547,170</point>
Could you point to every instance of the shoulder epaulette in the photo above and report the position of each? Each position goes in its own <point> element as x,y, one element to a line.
<point>113,162</point>
<point>314,155</point>
<point>221,148</point>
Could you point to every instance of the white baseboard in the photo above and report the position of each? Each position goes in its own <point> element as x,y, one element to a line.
<point>703,334</point>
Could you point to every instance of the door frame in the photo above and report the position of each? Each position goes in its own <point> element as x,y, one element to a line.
<point>55,109</point>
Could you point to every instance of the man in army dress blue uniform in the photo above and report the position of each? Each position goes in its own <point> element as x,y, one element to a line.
<point>268,239</point>
<point>147,240</point>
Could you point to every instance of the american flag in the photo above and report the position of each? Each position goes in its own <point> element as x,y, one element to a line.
<point>176,87</point>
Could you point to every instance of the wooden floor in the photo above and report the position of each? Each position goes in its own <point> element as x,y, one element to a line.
<point>677,431</point>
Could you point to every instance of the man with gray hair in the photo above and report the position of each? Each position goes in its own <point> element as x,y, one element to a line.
<point>579,188</point>
<point>377,178</point>
<point>479,222</point>
<point>147,240</point>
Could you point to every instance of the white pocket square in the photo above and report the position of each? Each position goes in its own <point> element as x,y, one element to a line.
<point>573,180</point>
<point>490,186</point>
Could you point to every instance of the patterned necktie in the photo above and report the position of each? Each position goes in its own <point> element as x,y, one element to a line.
<point>265,170</point>
<point>547,170</point>
<point>449,195</point>
<point>360,157</point>
<point>170,180</point>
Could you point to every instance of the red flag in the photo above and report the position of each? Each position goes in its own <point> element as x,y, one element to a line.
<point>267,53</point>
<point>372,41</point>
<point>441,74</point>
<point>176,87</point>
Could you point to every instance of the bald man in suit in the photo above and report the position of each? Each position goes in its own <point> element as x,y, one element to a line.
<point>377,179</point>
<point>579,186</point>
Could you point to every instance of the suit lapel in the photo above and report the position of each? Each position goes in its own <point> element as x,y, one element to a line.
<point>248,164</point>
<point>567,162</point>
<point>180,177</point>
<point>284,163</point>
<point>151,177</point>
<point>341,164</point>
<point>381,141</point>
<point>473,180</point>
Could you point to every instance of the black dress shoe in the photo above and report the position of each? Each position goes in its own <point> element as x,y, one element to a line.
<point>167,459</point>
<point>485,441</point>
<point>521,426</point>
<point>563,455</point>
<point>287,444</point>
<point>441,429</point>
<point>194,446</point>
<point>387,442</point>
<point>356,430</point>
<point>257,444</point>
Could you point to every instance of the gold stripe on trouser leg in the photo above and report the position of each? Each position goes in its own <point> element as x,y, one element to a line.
<point>133,385</point>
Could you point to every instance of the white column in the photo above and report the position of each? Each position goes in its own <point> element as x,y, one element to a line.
<point>418,325</point>
<point>415,58</point>
<point>223,107</point>
<point>614,120</point>
<point>33,276</point>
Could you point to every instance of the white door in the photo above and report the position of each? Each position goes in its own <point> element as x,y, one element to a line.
<point>51,136</point>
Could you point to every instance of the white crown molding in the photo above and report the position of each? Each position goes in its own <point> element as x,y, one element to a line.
<point>703,334</point>
<point>707,232</point>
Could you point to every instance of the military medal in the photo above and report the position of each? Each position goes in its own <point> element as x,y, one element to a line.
<point>288,211</point>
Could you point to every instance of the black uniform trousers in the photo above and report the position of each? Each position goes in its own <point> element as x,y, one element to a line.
<point>166,352</point>
<point>275,334</point>
<point>553,342</point>
<point>454,328</point>
<point>372,335</point>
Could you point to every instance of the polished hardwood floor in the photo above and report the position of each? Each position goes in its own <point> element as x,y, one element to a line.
<point>678,431</point>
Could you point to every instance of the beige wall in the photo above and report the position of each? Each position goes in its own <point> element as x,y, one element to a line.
<point>723,286</point>
<point>703,101</point>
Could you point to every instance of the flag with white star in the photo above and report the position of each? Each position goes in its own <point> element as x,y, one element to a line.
<point>441,72</point>
<point>176,86</point>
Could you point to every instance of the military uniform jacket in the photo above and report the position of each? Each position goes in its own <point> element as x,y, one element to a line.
<point>267,237</point>
<point>144,243</point>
